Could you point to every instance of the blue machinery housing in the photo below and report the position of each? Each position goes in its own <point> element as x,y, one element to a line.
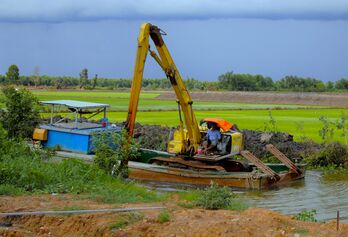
<point>75,134</point>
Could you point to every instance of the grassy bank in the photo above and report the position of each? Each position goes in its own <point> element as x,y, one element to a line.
<point>24,171</point>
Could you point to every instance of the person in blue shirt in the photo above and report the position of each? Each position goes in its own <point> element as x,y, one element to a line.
<point>213,136</point>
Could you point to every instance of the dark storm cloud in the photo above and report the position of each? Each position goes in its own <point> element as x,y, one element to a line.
<point>91,10</point>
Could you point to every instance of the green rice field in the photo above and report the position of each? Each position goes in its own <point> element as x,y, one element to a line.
<point>118,101</point>
<point>294,119</point>
<point>299,122</point>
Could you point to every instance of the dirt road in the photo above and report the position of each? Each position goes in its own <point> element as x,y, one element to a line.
<point>182,222</point>
<point>268,97</point>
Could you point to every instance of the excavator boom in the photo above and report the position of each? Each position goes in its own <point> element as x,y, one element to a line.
<point>192,139</point>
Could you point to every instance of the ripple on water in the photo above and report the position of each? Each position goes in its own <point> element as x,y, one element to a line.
<point>326,197</point>
<point>308,194</point>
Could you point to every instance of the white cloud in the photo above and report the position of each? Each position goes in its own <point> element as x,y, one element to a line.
<point>89,10</point>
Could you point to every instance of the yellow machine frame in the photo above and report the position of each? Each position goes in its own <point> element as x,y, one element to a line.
<point>189,137</point>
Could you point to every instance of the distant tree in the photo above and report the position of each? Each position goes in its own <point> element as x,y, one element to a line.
<point>330,86</point>
<point>95,81</point>
<point>295,83</point>
<point>342,84</point>
<point>2,79</point>
<point>21,113</point>
<point>83,77</point>
<point>37,78</point>
<point>13,74</point>
<point>244,82</point>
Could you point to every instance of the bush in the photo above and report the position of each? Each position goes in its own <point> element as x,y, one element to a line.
<point>164,216</point>
<point>330,154</point>
<point>21,114</point>
<point>10,190</point>
<point>215,197</point>
<point>307,216</point>
<point>112,152</point>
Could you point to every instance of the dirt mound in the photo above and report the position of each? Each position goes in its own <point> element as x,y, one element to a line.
<point>157,137</point>
<point>256,141</point>
<point>269,97</point>
<point>153,136</point>
<point>252,222</point>
<point>182,222</point>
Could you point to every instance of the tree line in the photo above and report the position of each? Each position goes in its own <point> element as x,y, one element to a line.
<point>229,81</point>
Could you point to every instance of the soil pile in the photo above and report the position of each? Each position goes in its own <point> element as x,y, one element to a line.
<point>153,137</point>
<point>256,141</point>
<point>182,222</point>
<point>157,138</point>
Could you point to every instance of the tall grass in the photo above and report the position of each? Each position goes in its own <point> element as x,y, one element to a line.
<point>24,170</point>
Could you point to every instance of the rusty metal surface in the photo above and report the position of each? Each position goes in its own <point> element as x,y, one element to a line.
<point>212,158</point>
<point>257,182</point>
<point>187,163</point>
<point>249,180</point>
<point>259,164</point>
<point>280,156</point>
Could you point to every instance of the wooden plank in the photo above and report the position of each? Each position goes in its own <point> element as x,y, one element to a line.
<point>283,158</point>
<point>259,164</point>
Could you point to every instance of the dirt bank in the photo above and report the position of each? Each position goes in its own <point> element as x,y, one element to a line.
<point>182,222</point>
<point>299,98</point>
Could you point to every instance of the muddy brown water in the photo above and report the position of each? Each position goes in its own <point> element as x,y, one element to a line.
<point>311,193</point>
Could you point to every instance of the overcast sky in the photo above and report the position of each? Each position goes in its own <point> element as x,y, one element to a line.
<point>206,38</point>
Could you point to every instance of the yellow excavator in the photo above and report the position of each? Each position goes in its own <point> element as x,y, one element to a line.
<point>187,140</point>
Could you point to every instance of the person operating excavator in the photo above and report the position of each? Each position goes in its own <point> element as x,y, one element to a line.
<point>213,136</point>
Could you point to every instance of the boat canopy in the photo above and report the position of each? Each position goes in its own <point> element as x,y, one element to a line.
<point>221,123</point>
<point>75,104</point>
<point>77,108</point>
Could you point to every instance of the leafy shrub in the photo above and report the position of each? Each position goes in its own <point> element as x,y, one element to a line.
<point>215,197</point>
<point>118,224</point>
<point>327,131</point>
<point>164,216</point>
<point>307,216</point>
<point>21,114</point>
<point>333,153</point>
<point>271,124</point>
<point>112,152</point>
<point>10,190</point>
<point>126,219</point>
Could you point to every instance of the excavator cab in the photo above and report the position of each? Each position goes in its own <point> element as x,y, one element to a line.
<point>231,141</point>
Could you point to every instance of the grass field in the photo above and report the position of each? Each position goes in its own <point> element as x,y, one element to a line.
<point>294,119</point>
<point>299,122</point>
<point>148,102</point>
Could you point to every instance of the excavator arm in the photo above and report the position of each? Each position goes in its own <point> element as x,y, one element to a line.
<point>190,135</point>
